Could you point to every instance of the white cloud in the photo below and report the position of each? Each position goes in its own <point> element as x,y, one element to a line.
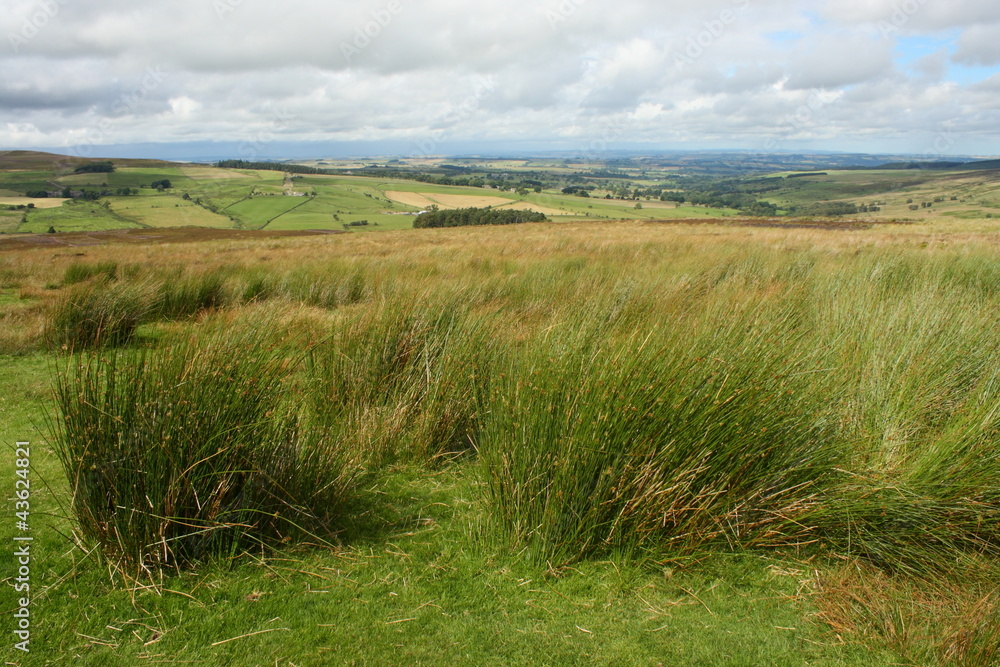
<point>580,70</point>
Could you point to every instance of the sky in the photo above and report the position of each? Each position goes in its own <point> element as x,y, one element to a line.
<point>256,79</point>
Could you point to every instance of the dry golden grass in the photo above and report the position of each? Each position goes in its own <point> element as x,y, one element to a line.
<point>409,198</point>
<point>428,199</point>
<point>465,201</point>
<point>449,250</point>
<point>528,206</point>
<point>24,201</point>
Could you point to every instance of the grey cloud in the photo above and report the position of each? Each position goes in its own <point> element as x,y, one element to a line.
<point>834,61</point>
<point>979,45</point>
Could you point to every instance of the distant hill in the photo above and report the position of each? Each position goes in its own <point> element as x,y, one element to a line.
<point>39,161</point>
<point>942,165</point>
<point>985,164</point>
<point>923,165</point>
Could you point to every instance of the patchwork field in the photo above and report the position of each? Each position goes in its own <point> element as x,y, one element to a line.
<point>237,197</point>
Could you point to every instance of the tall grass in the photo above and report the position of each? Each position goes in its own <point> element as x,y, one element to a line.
<point>184,295</point>
<point>705,432</point>
<point>403,380</point>
<point>660,394</point>
<point>77,272</point>
<point>191,451</point>
<point>94,315</point>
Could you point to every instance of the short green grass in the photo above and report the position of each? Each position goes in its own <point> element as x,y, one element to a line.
<point>83,180</point>
<point>77,216</point>
<point>10,220</point>
<point>258,212</point>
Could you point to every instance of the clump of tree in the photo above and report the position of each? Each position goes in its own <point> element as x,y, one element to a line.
<point>163,184</point>
<point>465,217</point>
<point>99,167</point>
<point>677,197</point>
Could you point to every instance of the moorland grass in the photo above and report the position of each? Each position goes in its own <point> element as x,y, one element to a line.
<point>663,393</point>
<point>191,451</point>
<point>101,314</point>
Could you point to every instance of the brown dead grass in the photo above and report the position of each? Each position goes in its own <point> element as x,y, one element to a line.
<point>927,622</point>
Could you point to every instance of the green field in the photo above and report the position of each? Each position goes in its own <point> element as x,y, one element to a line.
<point>9,221</point>
<point>80,180</point>
<point>166,211</point>
<point>257,212</point>
<point>139,177</point>
<point>75,217</point>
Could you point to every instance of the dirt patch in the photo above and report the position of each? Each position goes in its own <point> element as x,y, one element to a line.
<point>147,236</point>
